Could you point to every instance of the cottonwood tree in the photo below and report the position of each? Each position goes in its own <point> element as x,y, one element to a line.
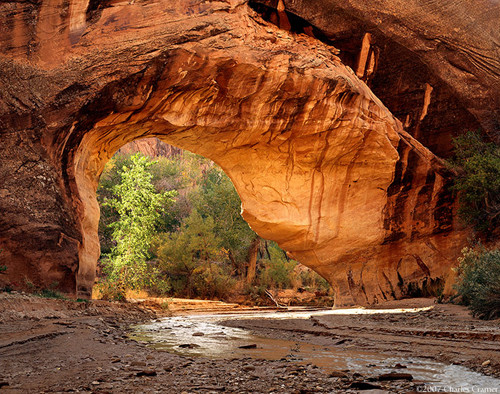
<point>139,207</point>
<point>193,259</point>
<point>218,198</point>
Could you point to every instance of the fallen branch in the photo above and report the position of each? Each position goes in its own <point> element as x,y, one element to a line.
<point>278,305</point>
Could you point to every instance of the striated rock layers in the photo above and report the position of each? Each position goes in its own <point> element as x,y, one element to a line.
<point>320,163</point>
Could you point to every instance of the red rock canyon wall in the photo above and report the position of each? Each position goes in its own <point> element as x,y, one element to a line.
<point>321,164</point>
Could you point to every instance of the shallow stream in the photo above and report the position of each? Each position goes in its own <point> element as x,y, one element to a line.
<point>203,335</point>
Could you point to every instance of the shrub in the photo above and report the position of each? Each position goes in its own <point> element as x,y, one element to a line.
<point>110,291</point>
<point>312,280</point>
<point>479,281</point>
<point>192,259</point>
<point>48,292</point>
<point>51,293</point>
<point>213,280</point>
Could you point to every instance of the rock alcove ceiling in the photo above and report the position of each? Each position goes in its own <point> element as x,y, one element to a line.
<point>321,163</point>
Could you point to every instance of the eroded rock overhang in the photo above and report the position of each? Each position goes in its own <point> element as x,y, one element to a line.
<point>416,53</point>
<point>321,165</point>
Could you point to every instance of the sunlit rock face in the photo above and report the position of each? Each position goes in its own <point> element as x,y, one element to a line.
<point>320,163</point>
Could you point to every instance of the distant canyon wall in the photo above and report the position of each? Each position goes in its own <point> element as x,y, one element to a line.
<point>152,147</point>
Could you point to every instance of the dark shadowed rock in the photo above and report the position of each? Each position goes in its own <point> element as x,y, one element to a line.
<point>251,346</point>
<point>395,376</point>
<point>363,386</point>
<point>189,346</point>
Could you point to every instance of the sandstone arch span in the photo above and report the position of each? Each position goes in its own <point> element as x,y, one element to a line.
<point>321,165</point>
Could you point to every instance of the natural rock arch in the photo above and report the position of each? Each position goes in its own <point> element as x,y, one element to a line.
<point>284,159</point>
<point>321,165</point>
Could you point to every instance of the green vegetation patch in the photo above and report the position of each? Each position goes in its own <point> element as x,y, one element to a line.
<point>477,164</point>
<point>479,281</point>
<point>172,227</point>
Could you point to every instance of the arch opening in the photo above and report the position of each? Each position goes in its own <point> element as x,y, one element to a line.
<point>194,243</point>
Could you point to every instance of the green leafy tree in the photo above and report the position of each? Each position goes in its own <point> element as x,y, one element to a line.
<point>165,178</point>
<point>175,174</point>
<point>110,177</point>
<point>277,270</point>
<point>217,197</point>
<point>478,181</point>
<point>139,207</point>
<point>192,259</point>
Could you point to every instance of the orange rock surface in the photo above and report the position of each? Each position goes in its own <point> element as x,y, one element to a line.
<point>321,164</point>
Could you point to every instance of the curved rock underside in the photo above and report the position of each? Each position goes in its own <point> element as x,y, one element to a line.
<point>321,164</point>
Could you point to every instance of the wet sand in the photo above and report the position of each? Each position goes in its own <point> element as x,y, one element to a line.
<point>64,346</point>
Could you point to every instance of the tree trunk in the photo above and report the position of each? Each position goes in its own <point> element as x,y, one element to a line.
<point>267,250</point>
<point>252,259</point>
<point>234,263</point>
